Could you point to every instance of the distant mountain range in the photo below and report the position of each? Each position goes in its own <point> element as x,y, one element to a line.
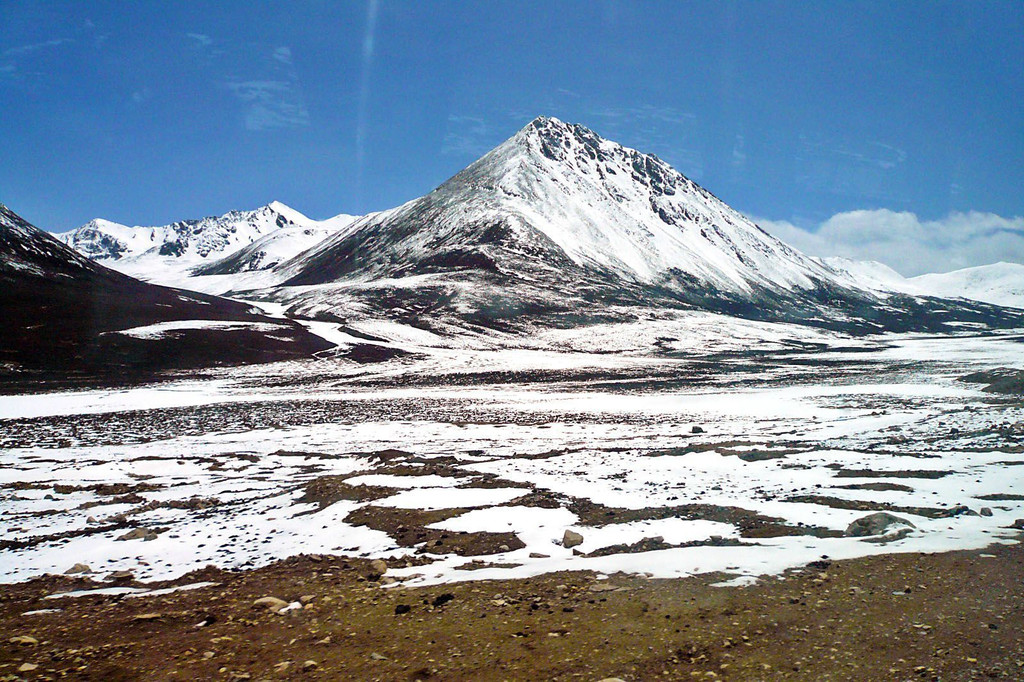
<point>68,314</point>
<point>554,227</point>
<point>999,283</point>
<point>246,240</point>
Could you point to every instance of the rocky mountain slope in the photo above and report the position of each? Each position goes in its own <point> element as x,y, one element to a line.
<point>67,314</point>
<point>557,226</point>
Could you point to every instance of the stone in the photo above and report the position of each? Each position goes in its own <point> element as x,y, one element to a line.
<point>25,640</point>
<point>603,587</point>
<point>148,616</point>
<point>442,599</point>
<point>78,568</point>
<point>538,555</point>
<point>378,567</point>
<point>986,511</point>
<point>120,575</point>
<point>306,598</point>
<point>27,667</point>
<point>272,604</point>
<point>962,510</point>
<point>696,429</point>
<point>875,524</point>
<point>571,538</point>
<point>378,657</point>
<point>136,534</point>
<point>402,608</point>
<point>310,665</point>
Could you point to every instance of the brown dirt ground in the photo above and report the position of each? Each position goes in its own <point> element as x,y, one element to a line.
<point>951,616</point>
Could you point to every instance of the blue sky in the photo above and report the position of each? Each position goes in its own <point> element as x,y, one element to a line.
<point>148,112</point>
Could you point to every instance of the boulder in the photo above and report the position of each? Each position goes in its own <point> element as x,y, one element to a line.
<point>138,534</point>
<point>878,523</point>
<point>378,567</point>
<point>272,604</point>
<point>571,538</point>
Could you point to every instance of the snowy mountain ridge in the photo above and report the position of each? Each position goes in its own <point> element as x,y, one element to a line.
<point>168,252</point>
<point>554,227</point>
<point>560,190</point>
<point>999,283</point>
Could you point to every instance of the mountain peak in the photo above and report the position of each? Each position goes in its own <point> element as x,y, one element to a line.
<point>288,212</point>
<point>553,133</point>
<point>556,195</point>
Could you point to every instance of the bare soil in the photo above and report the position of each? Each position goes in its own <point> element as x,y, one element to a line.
<point>950,616</point>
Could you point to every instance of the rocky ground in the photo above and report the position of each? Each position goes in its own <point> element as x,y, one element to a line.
<point>948,616</point>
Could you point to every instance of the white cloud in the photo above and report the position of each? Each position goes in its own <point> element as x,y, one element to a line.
<point>200,38</point>
<point>26,49</point>
<point>140,96</point>
<point>908,244</point>
<point>283,55</point>
<point>271,104</point>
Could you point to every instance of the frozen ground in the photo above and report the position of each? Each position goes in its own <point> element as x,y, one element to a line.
<point>473,459</point>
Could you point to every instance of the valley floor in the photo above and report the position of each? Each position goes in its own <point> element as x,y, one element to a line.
<point>948,616</point>
<point>710,484</point>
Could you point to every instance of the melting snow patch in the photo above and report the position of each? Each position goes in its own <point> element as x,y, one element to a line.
<point>160,329</point>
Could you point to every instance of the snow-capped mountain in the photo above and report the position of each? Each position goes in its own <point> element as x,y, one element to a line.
<point>999,284</point>
<point>558,195</point>
<point>275,247</point>
<point>872,276</point>
<point>66,313</point>
<point>167,253</point>
<point>559,226</point>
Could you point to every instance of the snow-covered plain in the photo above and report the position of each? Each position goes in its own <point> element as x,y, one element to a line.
<point>801,432</point>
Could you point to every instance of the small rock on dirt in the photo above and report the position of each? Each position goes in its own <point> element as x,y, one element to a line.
<point>378,567</point>
<point>442,599</point>
<point>310,665</point>
<point>272,604</point>
<point>26,640</point>
<point>27,667</point>
<point>78,568</point>
<point>571,538</point>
